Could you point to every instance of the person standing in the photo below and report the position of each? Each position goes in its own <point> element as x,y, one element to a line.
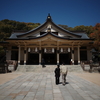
<point>57,74</point>
<point>64,71</point>
<point>43,63</point>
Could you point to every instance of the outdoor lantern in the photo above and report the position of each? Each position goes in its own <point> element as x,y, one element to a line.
<point>53,50</point>
<point>29,49</point>
<point>36,49</point>
<point>61,49</point>
<point>45,50</point>
<point>49,30</point>
<point>68,49</point>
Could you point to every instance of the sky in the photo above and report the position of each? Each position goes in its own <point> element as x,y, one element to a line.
<point>65,12</point>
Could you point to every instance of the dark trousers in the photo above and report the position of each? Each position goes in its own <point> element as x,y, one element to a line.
<point>57,80</point>
<point>43,65</point>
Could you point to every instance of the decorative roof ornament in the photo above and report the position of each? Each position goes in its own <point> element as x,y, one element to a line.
<point>48,17</point>
<point>48,14</point>
<point>49,28</point>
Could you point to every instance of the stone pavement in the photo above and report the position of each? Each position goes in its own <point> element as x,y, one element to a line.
<point>41,86</point>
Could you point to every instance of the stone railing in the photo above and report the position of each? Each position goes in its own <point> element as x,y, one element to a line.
<point>91,66</point>
<point>12,65</point>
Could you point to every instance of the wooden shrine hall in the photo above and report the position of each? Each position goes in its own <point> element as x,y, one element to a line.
<point>48,41</point>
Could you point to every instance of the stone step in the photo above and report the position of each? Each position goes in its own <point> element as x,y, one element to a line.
<point>48,68</point>
<point>75,68</point>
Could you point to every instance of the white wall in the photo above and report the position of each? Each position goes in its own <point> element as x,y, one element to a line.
<point>38,34</point>
<point>60,34</point>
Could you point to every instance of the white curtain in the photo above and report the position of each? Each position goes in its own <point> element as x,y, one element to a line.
<point>61,50</point>
<point>45,50</point>
<point>29,49</point>
<point>36,49</point>
<point>68,49</point>
<point>53,50</point>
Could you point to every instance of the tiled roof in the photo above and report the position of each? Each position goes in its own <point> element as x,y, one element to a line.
<point>78,35</point>
<point>28,38</point>
<point>48,20</point>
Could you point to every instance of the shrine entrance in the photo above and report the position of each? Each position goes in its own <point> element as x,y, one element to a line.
<point>33,58</point>
<point>50,59</point>
<point>49,55</point>
<point>65,58</point>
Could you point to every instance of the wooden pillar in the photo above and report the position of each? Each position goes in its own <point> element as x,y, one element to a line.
<point>40,56</point>
<point>72,55</point>
<point>25,56</point>
<point>19,50</point>
<point>40,53</point>
<point>57,52</point>
<point>57,58</point>
<point>78,54</point>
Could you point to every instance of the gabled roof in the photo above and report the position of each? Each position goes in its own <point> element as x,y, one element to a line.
<point>49,33</point>
<point>22,35</point>
<point>48,20</point>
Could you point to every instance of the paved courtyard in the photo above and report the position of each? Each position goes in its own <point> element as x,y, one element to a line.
<point>41,86</point>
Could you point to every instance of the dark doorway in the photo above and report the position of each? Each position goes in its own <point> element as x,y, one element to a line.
<point>33,58</point>
<point>83,55</point>
<point>14,55</point>
<point>50,58</point>
<point>64,58</point>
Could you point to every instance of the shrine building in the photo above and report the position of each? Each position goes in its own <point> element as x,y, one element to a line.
<point>48,41</point>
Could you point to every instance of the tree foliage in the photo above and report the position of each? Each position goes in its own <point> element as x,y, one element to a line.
<point>96,35</point>
<point>87,29</point>
<point>8,26</point>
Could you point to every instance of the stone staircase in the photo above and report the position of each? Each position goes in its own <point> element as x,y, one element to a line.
<point>48,68</point>
<point>75,68</point>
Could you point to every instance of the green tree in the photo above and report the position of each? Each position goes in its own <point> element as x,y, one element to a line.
<point>87,29</point>
<point>8,26</point>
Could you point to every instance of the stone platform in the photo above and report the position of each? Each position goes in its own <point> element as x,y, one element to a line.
<point>40,85</point>
<point>48,68</point>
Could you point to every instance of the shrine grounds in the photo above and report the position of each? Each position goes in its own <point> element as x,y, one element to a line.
<point>40,85</point>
